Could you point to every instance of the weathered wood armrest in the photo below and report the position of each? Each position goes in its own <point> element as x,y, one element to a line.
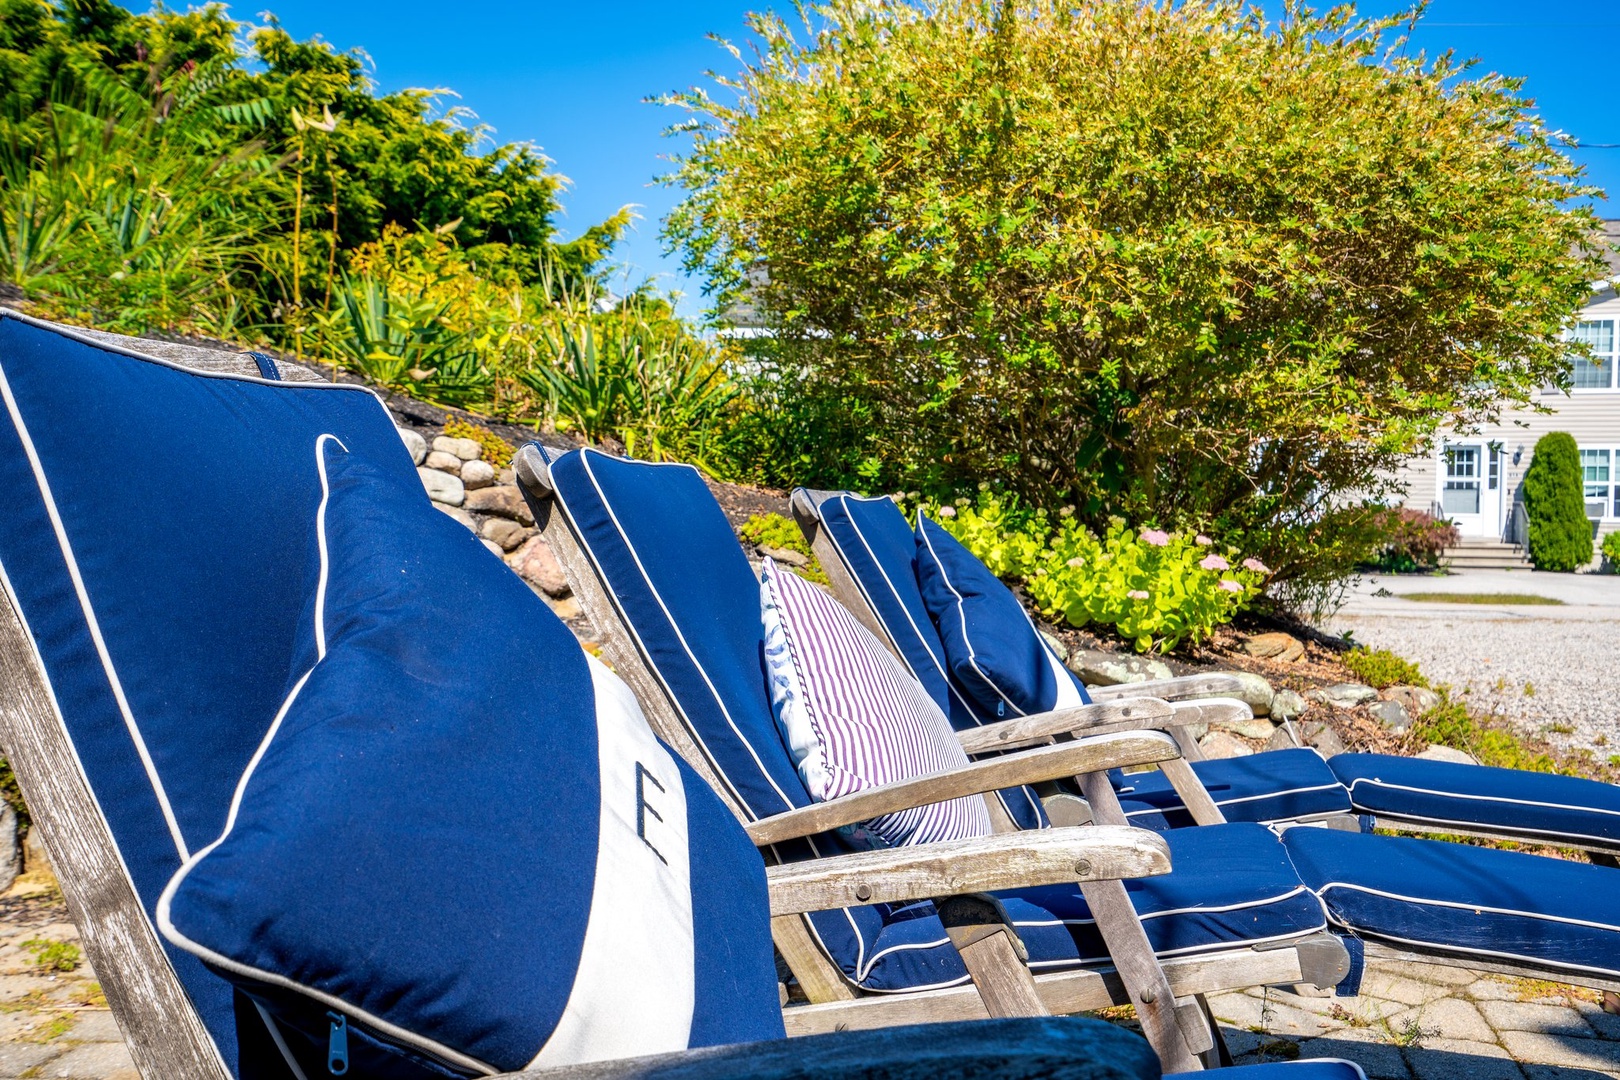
<point>1008,860</point>
<point>1177,689</point>
<point>1024,767</point>
<point>954,867</point>
<point>1124,714</point>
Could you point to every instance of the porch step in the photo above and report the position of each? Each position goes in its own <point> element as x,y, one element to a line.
<point>1476,553</point>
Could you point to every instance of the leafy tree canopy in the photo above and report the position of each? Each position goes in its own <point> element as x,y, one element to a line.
<point>1165,259</point>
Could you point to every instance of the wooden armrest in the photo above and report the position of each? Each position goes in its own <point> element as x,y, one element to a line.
<point>1024,767</point>
<point>1177,689</point>
<point>1126,714</point>
<point>953,867</point>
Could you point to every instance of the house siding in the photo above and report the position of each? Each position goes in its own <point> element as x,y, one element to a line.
<point>1592,417</point>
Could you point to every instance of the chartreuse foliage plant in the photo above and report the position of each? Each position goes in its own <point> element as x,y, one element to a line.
<point>1169,261</point>
<point>1156,589</point>
<point>1611,551</point>
<point>1381,668</point>
<point>1559,534</point>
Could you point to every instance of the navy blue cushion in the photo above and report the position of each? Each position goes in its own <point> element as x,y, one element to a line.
<point>1539,806</point>
<point>879,551</point>
<point>459,834</point>
<point>1278,785</point>
<point>1230,885</point>
<point>1470,901</point>
<point>181,502</point>
<point>1319,1069</point>
<point>991,648</point>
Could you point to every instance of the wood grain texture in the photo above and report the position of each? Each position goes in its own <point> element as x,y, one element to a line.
<point>1125,715</point>
<point>1177,689</point>
<point>1194,796</point>
<point>997,969</point>
<point>1145,982</point>
<point>990,774</point>
<point>954,867</point>
<point>1063,993</point>
<point>166,1037</point>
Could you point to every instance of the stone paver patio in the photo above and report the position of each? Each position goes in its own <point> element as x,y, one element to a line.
<point>1410,1022</point>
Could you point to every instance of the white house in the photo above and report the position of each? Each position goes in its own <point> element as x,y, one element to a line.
<point>1477,479</point>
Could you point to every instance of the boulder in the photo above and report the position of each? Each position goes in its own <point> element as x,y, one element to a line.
<point>509,534</point>
<point>502,500</point>
<point>1098,668</point>
<point>449,463</point>
<point>1392,714</point>
<point>465,449</point>
<point>566,608</point>
<point>1436,752</point>
<point>785,556</point>
<point>1254,691</point>
<point>1223,744</point>
<point>459,514</point>
<point>1286,705</point>
<point>1324,738</point>
<point>36,860</point>
<point>1255,727</point>
<point>1284,648</point>
<point>1281,739</point>
<point>535,563</point>
<point>1346,695</point>
<point>477,474</point>
<point>442,487</point>
<point>1417,700</point>
<point>415,444</point>
<point>1053,642</point>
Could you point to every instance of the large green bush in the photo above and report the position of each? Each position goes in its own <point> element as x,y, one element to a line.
<point>1560,536</point>
<point>1164,261</point>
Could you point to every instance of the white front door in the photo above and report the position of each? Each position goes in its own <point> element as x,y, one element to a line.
<point>1471,488</point>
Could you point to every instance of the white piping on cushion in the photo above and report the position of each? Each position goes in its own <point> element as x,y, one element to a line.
<point>1429,946</point>
<point>1245,945</point>
<point>1375,782</point>
<point>164,922</point>
<point>95,798</point>
<point>90,620</point>
<point>691,728</point>
<point>950,686</point>
<point>961,617</point>
<point>1229,802</point>
<point>787,803</point>
<point>1455,905</point>
<point>281,1043</point>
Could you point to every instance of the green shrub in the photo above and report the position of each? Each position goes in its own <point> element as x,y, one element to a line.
<point>1450,724</point>
<point>1611,551</point>
<point>1560,536</point>
<point>1382,668</point>
<point>1155,588</point>
<point>778,531</point>
<point>1122,255</point>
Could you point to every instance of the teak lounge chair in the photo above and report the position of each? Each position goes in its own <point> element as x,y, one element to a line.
<point>656,567</point>
<point>1505,911</point>
<point>154,626</point>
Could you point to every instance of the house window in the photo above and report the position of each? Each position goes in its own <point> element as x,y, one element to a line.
<point>1600,470</point>
<point>1596,373</point>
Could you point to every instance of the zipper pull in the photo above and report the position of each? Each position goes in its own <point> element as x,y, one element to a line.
<point>337,1045</point>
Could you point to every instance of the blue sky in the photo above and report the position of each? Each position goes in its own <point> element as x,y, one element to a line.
<point>570,78</point>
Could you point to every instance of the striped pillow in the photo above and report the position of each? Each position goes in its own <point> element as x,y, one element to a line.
<point>853,717</point>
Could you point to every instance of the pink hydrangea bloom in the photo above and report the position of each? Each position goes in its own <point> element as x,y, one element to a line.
<point>1231,586</point>
<point>1215,562</point>
<point>1156,537</point>
<point>947,511</point>
<point>1202,541</point>
<point>1075,563</point>
<point>1137,594</point>
<point>1256,565</point>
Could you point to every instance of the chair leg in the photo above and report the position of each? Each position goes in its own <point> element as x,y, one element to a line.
<point>1219,1055</point>
<point>995,957</point>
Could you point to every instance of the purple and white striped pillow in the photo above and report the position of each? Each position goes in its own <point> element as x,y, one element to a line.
<point>853,717</point>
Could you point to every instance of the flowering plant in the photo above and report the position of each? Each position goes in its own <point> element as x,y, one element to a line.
<point>1156,588</point>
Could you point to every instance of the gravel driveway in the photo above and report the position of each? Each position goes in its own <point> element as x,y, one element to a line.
<point>1553,670</point>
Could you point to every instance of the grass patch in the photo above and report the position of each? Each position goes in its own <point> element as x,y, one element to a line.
<point>53,955</point>
<point>1480,598</point>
